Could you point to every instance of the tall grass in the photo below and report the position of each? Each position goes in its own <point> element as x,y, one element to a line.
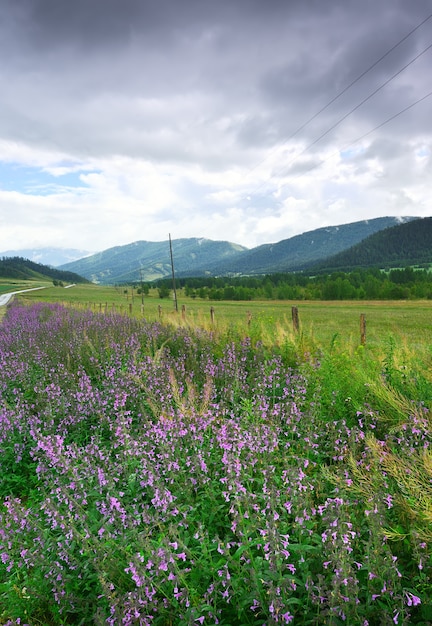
<point>162,473</point>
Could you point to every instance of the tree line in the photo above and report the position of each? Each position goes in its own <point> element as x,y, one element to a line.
<point>361,284</point>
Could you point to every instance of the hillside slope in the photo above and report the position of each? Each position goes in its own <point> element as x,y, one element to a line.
<point>402,245</point>
<point>300,251</point>
<point>24,269</point>
<point>149,260</point>
<point>145,260</point>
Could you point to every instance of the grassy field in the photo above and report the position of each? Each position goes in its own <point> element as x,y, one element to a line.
<point>320,322</point>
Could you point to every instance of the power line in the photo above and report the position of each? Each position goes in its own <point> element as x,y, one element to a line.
<point>344,117</point>
<point>369,132</point>
<point>365,100</point>
<point>360,77</point>
<point>344,90</point>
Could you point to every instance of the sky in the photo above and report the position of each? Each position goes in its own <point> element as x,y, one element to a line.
<point>249,121</point>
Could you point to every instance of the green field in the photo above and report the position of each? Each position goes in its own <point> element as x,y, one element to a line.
<point>320,322</point>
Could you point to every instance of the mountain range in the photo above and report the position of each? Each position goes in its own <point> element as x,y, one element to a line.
<point>382,242</point>
<point>149,261</point>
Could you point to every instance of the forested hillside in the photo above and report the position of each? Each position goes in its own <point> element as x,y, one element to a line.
<point>23,269</point>
<point>297,252</point>
<point>406,244</point>
<point>150,261</point>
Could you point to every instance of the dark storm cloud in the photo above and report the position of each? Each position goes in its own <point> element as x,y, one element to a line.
<point>222,97</point>
<point>341,45</point>
<point>88,23</point>
<point>286,59</point>
<point>92,23</point>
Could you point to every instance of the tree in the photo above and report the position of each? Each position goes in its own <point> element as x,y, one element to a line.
<point>164,291</point>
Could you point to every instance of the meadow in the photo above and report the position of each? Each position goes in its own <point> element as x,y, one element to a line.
<point>321,322</point>
<point>169,470</point>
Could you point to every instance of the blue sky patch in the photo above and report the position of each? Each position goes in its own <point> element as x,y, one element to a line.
<point>36,181</point>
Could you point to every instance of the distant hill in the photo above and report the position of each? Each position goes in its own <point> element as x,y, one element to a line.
<point>406,244</point>
<point>24,269</point>
<point>204,257</point>
<point>151,260</point>
<point>299,252</point>
<point>48,256</point>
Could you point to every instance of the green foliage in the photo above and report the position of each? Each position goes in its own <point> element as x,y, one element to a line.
<point>371,284</point>
<point>164,291</point>
<point>172,476</point>
<point>404,244</point>
<point>23,269</point>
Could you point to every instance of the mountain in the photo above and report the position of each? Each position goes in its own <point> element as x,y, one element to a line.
<point>300,251</point>
<point>48,256</point>
<point>24,269</point>
<point>203,257</point>
<point>149,260</point>
<point>406,244</point>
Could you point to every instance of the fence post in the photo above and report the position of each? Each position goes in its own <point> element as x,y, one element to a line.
<point>212,313</point>
<point>160,310</point>
<point>249,318</point>
<point>130,309</point>
<point>363,329</point>
<point>295,319</point>
<point>183,311</point>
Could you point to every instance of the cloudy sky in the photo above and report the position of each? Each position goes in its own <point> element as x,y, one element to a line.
<point>126,120</point>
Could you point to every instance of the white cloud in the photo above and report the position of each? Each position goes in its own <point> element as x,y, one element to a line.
<point>134,120</point>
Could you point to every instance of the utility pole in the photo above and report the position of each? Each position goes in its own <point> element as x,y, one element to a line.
<point>173,275</point>
<point>142,288</point>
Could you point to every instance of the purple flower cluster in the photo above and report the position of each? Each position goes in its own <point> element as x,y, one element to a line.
<point>156,476</point>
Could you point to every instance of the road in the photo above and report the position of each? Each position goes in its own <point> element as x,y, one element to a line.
<point>4,298</point>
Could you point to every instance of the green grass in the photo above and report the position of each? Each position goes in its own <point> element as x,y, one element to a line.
<point>322,323</point>
<point>7,284</point>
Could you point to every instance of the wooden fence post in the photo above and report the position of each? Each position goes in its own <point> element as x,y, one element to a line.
<point>130,309</point>
<point>363,329</point>
<point>212,314</point>
<point>183,311</point>
<point>249,318</point>
<point>295,319</point>
<point>160,310</point>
